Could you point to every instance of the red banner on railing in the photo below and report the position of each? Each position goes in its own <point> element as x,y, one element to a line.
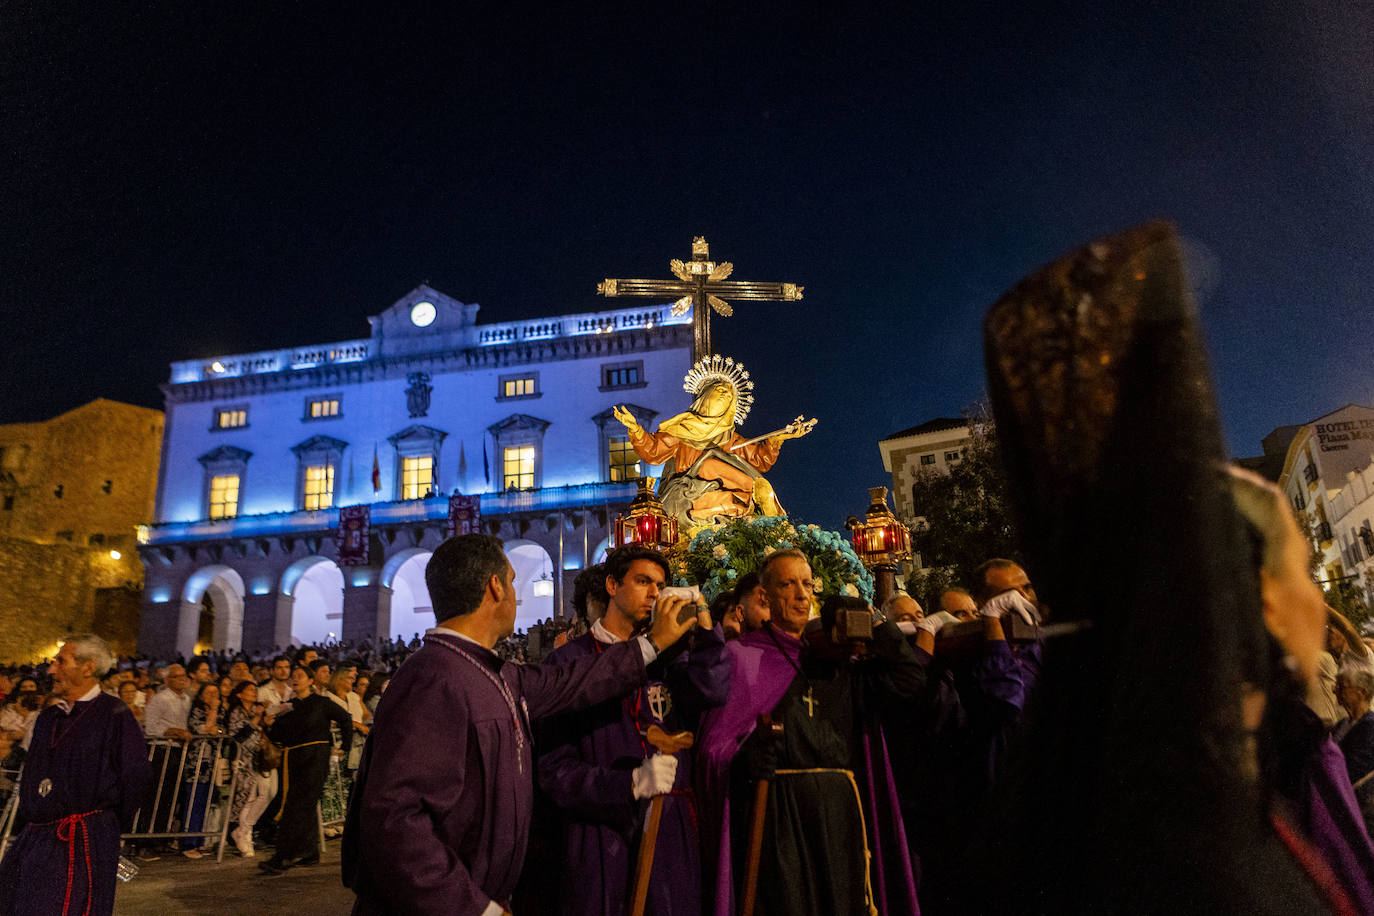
<point>355,524</point>
<point>464,515</point>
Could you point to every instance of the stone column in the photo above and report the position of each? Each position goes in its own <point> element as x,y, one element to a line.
<point>260,622</point>
<point>363,611</point>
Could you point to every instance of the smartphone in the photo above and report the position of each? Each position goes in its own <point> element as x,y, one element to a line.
<point>691,593</point>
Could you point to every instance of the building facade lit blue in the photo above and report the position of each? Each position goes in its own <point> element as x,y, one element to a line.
<point>261,450</point>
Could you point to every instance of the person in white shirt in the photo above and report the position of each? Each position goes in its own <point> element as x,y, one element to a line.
<point>165,715</point>
<point>277,691</point>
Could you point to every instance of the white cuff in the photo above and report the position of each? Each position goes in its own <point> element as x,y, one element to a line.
<point>647,649</point>
<point>493,909</point>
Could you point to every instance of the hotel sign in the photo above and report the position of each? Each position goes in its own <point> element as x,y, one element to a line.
<point>1336,437</point>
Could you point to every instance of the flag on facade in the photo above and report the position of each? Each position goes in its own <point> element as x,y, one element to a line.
<point>462,465</point>
<point>376,472</point>
<point>486,468</point>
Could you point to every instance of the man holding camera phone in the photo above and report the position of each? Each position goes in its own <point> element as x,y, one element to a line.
<point>600,772</point>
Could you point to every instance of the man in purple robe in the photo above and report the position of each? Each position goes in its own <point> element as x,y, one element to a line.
<point>599,771</point>
<point>440,814</point>
<point>832,800</point>
<point>85,777</point>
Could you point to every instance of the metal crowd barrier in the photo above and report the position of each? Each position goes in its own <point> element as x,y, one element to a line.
<point>180,769</point>
<point>193,786</point>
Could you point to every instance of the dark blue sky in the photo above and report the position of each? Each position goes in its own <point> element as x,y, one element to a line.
<point>183,180</point>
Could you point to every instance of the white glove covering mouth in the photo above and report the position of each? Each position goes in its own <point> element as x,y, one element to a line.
<point>932,623</point>
<point>655,776</point>
<point>1008,602</point>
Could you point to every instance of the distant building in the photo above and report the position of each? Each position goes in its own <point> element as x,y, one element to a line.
<point>262,451</point>
<point>1352,523</point>
<point>935,445</point>
<point>72,491</point>
<point>1325,458</point>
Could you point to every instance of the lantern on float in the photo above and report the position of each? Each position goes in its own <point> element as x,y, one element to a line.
<point>646,523</point>
<point>882,543</point>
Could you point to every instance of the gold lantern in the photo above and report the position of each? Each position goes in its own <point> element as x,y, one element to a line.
<point>882,543</point>
<point>646,523</point>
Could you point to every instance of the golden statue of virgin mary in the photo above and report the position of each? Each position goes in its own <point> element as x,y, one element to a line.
<point>710,472</point>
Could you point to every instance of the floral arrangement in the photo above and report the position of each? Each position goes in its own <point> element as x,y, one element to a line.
<point>716,558</point>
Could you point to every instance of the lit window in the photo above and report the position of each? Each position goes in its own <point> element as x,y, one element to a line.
<point>927,459</point>
<point>319,486</point>
<point>518,387</point>
<point>324,408</point>
<point>224,496</point>
<point>518,473</point>
<point>417,476</point>
<point>231,418</point>
<point>624,461</point>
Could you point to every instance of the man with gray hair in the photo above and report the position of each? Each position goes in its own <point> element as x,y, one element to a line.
<point>85,776</point>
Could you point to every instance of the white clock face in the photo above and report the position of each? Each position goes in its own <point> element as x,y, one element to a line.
<point>422,314</point>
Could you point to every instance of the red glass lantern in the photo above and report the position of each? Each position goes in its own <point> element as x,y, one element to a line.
<point>646,523</point>
<point>881,540</point>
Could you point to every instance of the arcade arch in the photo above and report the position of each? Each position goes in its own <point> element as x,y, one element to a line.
<point>310,603</point>
<point>411,609</point>
<point>223,586</point>
<point>533,582</point>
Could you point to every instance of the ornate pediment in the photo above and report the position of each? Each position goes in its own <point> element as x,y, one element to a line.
<point>414,435</point>
<point>518,422</point>
<point>225,454</point>
<point>319,444</point>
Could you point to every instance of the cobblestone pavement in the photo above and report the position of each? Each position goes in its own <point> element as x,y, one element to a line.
<point>235,887</point>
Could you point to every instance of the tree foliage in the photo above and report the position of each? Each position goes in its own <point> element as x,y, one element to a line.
<point>967,514</point>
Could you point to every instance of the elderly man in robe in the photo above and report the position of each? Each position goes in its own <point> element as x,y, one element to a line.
<point>440,814</point>
<point>829,761</point>
<point>85,776</point>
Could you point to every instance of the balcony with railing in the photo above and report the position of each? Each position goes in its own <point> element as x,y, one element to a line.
<point>486,335</point>
<point>510,502</point>
<point>290,359</point>
<point>1322,532</point>
<point>607,322</point>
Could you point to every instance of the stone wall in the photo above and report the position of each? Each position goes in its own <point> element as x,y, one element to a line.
<point>49,591</point>
<point>74,488</point>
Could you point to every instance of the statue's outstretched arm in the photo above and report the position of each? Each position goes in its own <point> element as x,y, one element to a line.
<point>627,420</point>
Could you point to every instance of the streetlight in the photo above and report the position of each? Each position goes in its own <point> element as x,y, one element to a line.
<point>882,543</point>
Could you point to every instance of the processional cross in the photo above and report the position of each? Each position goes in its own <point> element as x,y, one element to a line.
<point>700,284</point>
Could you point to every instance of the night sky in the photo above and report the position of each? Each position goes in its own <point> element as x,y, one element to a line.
<point>184,180</point>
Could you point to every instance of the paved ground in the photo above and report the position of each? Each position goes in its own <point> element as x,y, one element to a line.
<point>175,885</point>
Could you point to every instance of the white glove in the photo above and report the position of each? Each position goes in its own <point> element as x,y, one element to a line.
<point>655,776</point>
<point>932,623</point>
<point>1008,602</point>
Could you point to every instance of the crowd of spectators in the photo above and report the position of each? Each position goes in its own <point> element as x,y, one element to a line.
<point>221,706</point>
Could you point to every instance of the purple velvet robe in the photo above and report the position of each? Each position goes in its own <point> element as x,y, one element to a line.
<point>764,673</point>
<point>1328,814</point>
<point>93,759</point>
<point>440,814</point>
<point>584,767</point>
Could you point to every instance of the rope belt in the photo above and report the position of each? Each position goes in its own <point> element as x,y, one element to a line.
<point>286,772</point>
<point>66,832</point>
<point>858,806</point>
